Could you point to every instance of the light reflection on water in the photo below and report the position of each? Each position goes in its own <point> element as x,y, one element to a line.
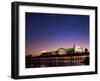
<point>59,61</point>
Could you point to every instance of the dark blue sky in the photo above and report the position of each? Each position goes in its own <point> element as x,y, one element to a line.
<point>52,31</point>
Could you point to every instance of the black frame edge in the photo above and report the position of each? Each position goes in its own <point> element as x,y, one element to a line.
<point>96,40</point>
<point>56,75</point>
<point>54,5</point>
<point>14,41</point>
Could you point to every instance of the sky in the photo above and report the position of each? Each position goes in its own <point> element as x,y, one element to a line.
<point>45,32</point>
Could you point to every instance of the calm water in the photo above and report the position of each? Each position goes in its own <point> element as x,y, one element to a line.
<point>57,61</point>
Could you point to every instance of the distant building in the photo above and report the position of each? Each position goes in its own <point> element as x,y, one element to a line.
<point>78,49</point>
<point>74,49</point>
<point>63,51</point>
<point>69,50</point>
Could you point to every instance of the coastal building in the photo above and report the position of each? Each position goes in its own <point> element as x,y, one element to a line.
<point>64,51</point>
<point>61,51</point>
<point>74,49</point>
<point>78,49</point>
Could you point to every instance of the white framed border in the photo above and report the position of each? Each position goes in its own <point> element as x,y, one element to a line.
<point>39,71</point>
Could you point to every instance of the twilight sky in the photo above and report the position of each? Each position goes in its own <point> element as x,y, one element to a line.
<point>46,32</point>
